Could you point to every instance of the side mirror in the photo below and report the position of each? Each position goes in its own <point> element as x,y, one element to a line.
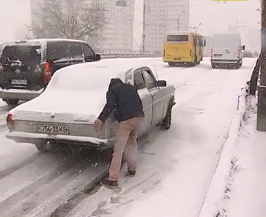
<point>97,57</point>
<point>161,83</point>
<point>243,47</point>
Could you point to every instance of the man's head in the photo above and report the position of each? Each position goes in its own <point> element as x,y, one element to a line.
<point>115,82</point>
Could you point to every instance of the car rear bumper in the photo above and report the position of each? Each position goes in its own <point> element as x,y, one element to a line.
<point>224,61</point>
<point>25,137</point>
<point>177,60</point>
<point>19,94</point>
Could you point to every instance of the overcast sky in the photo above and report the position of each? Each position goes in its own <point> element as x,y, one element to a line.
<point>14,14</point>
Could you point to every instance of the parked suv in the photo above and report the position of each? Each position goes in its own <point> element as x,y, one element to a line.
<point>27,66</point>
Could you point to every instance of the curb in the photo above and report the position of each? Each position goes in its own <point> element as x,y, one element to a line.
<point>213,199</point>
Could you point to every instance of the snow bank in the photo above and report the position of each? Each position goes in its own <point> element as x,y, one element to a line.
<point>216,191</point>
<point>247,182</point>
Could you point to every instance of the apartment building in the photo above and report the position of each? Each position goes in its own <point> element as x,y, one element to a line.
<point>118,31</point>
<point>162,16</point>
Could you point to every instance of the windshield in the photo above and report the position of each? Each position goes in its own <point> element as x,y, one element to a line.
<point>21,54</point>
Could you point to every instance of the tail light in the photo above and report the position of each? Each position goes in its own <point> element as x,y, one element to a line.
<point>9,119</point>
<point>211,52</point>
<point>239,53</point>
<point>47,72</point>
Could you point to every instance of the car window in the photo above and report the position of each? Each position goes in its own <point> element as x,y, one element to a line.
<point>138,80</point>
<point>75,52</point>
<point>149,80</point>
<point>58,51</point>
<point>21,54</point>
<point>88,53</point>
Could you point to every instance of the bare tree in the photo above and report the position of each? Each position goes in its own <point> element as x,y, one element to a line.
<point>73,19</point>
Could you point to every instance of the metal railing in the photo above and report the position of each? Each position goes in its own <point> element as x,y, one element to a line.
<point>127,54</point>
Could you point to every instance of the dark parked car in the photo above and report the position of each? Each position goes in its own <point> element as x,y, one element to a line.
<point>26,67</point>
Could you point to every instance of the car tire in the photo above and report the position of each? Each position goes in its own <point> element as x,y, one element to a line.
<point>238,65</point>
<point>11,102</point>
<point>166,124</point>
<point>43,147</point>
<point>171,64</point>
<point>195,62</point>
<point>213,66</point>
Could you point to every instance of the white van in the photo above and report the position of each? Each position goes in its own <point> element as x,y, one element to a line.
<point>226,50</point>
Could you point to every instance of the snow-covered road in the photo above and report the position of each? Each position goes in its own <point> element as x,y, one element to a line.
<point>175,167</point>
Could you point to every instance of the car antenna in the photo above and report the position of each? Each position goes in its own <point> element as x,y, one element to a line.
<point>155,68</point>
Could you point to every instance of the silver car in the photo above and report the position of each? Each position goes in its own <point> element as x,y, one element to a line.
<point>65,112</point>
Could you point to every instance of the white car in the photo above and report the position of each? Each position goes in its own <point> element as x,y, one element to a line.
<point>66,110</point>
<point>226,50</point>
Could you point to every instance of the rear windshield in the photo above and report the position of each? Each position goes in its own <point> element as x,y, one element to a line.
<point>177,38</point>
<point>225,40</point>
<point>22,54</point>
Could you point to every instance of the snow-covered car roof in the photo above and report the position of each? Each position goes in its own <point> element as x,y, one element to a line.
<point>38,41</point>
<point>91,75</point>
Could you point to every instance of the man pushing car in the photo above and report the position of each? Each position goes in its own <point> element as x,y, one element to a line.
<point>124,99</point>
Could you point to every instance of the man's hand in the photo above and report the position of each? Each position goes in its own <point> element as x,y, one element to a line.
<point>98,124</point>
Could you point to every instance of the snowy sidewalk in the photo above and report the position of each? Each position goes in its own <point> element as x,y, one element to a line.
<point>246,190</point>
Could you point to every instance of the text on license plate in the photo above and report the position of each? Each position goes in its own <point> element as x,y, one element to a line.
<point>19,82</point>
<point>53,129</point>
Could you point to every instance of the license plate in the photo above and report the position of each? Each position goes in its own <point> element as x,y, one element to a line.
<point>53,129</point>
<point>19,82</point>
<point>218,55</point>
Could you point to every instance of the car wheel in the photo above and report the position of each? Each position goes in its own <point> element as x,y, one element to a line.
<point>166,124</point>
<point>11,102</point>
<point>171,64</point>
<point>237,66</point>
<point>213,66</point>
<point>195,62</point>
<point>43,147</point>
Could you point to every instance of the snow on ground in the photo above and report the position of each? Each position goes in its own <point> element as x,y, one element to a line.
<point>175,167</point>
<point>246,187</point>
<point>175,170</point>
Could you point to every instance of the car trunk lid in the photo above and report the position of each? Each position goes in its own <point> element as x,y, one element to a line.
<point>73,115</point>
<point>61,106</point>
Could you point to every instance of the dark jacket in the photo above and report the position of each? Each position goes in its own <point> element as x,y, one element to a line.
<point>124,100</point>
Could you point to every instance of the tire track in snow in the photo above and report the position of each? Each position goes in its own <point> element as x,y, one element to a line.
<point>27,187</point>
<point>15,167</point>
<point>45,183</point>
